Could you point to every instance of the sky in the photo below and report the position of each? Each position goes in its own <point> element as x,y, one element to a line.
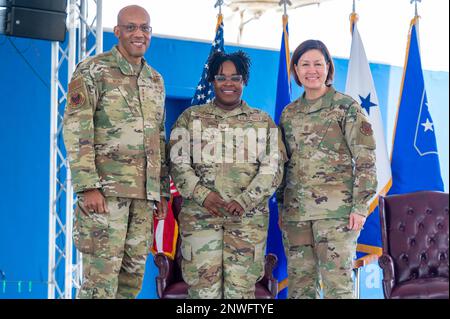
<point>383,25</point>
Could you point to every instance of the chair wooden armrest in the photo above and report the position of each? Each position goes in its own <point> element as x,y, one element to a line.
<point>269,280</point>
<point>387,264</point>
<point>165,272</point>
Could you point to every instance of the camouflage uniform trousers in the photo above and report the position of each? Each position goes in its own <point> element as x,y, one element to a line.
<point>320,251</point>
<point>114,247</point>
<point>223,257</point>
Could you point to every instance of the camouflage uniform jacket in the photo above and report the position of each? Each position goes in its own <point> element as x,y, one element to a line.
<point>250,183</point>
<point>114,128</point>
<point>331,169</point>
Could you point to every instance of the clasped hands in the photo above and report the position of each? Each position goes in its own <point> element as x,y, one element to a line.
<point>214,202</point>
<point>95,202</point>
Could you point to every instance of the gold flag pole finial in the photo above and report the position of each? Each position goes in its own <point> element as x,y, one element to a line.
<point>219,4</point>
<point>353,17</point>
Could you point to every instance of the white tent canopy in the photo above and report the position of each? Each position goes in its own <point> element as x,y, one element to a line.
<point>383,24</point>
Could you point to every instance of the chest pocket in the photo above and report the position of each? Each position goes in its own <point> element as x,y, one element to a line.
<point>152,97</point>
<point>118,100</point>
<point>206,120</point>
<point>323,131</point>
<point>204,163</point>
<point>332,137</point>
<point>131,100</point>
<point>208,126</point>
<point>313,131</point>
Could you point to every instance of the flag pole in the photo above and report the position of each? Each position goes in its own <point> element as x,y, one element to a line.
<point>285,20</point>
<point>415,7</point>
<point>204,92</point>
<point>274,237</point>
<point>285,3</point>
<point>353,17</point>
<point>414,21</point>
<point>416,13</point>
<point>219,4</point>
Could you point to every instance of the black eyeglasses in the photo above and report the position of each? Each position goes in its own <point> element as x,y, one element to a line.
<point>233,78</point>
<point>130,28</point>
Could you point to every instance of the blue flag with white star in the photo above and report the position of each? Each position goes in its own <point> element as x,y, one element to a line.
<point>205,91</point>
<point>415,160</point>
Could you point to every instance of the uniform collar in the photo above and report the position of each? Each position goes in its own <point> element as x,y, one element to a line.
<point>326,100</point>
<point>243,109</point>
<point>125,66</point>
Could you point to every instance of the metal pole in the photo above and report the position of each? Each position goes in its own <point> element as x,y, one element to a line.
<point>68,282</point>
<point>69,190</point>
<point>83,33</point>
<point>219,4</point>
<point>53,161</point>
<point>285,3</point>
<point>99,28</point>
<point>415,6</point>
<point>416,16</point>
<point>358,283</point>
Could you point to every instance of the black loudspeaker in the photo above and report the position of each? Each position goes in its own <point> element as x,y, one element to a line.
<point>49,5</point>
<point>38,19</point>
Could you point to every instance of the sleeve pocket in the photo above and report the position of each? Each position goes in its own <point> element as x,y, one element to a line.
<point>259,251</point>
<point>297,236</point>
<point>186,250</point>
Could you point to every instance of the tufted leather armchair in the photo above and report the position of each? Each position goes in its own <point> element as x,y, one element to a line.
<point>415,245</point>
<point>170,283</point>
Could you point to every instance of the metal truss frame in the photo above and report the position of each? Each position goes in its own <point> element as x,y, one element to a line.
<point>64,261</point>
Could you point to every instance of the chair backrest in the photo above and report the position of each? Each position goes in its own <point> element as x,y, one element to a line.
<point>415,234</point>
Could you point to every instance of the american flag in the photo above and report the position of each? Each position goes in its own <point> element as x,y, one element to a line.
<point>205,92</point>
<point>166,230</point>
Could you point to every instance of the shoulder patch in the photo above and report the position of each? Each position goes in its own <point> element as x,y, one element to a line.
<point>366,129</point>
<point>76,99</point>
<point>76,84</point>
<point>76,95</point>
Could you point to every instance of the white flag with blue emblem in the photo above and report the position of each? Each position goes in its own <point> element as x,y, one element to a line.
<point>360,86</point>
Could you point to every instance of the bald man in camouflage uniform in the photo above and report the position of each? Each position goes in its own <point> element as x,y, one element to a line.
<point>330,175</point>
<point>224,216</point>
<point>115,140</point>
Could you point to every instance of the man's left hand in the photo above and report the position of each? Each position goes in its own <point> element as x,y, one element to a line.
<point>161,208</point>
